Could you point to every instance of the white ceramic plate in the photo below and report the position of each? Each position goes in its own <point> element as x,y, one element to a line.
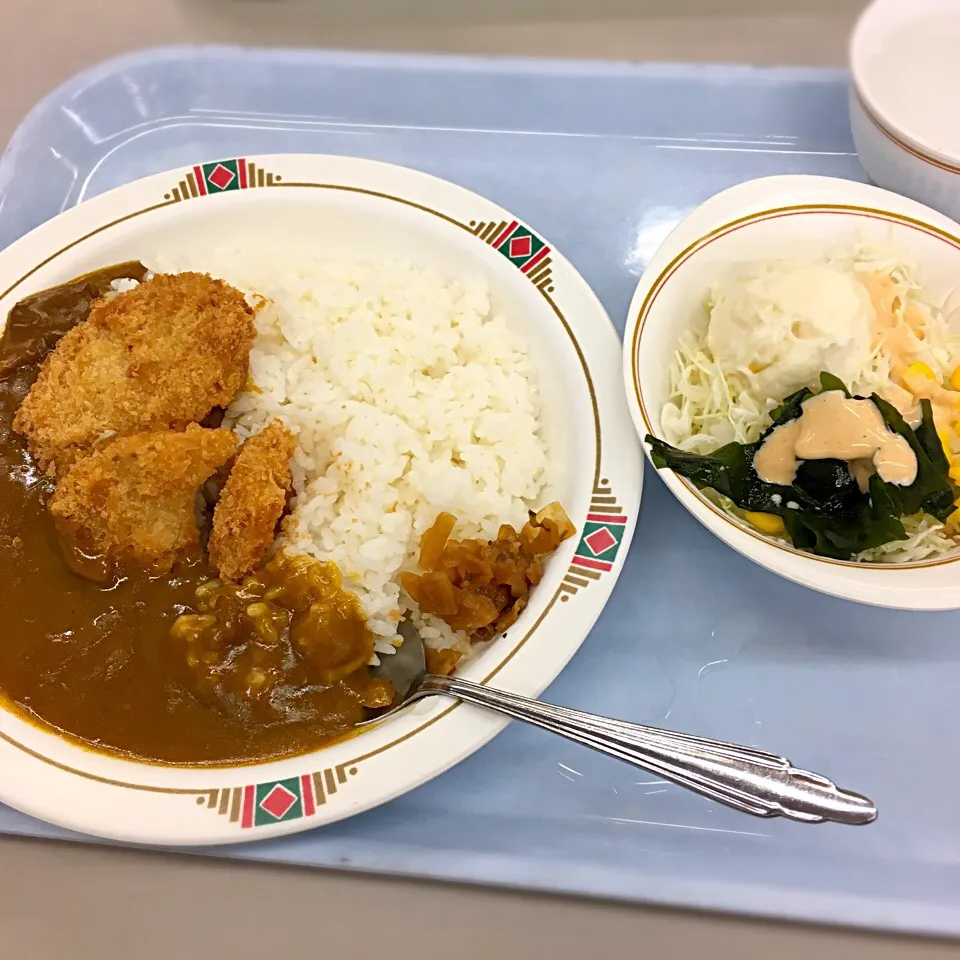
<point>788,216</point>
<point>904,121</point>
<point>371,209</point>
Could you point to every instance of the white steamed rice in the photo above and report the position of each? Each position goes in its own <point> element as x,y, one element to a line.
<point>408,395</point>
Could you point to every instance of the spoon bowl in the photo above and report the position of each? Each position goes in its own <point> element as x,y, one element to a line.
<point>406,670</point>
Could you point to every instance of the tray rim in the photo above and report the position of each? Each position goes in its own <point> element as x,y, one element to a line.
<point>466,63</point>
<point>697,894</point>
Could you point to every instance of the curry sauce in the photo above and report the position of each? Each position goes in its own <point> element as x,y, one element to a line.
<point>102,661</point>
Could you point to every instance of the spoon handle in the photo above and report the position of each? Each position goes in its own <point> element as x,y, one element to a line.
<point>745,778</point>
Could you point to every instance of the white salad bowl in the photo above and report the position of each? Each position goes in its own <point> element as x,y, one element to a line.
<point>772,218</point>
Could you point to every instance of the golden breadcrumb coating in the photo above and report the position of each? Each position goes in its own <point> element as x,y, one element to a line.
<point>252,502</point>
<point>133,500</point>
<point>161,355</point>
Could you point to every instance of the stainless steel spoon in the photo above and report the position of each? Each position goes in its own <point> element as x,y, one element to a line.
<point>744,778</point>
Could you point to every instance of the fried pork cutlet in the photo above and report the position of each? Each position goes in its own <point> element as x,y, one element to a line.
<point>161,355</point>
<point>252,502</point>
<point>132,501</point>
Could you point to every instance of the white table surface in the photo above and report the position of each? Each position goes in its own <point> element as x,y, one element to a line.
<point>65,901</point>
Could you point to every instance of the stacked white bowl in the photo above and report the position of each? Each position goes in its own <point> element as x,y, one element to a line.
<point>904,106</point>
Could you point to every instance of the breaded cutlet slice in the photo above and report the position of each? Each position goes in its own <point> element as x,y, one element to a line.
<point>132,501</point>
<point>252,502</point>
<point>161,355</point>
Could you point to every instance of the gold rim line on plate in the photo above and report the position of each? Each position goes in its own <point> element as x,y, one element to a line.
<point>366,756</point>
<point>699,244</point>
<point>908,147</point>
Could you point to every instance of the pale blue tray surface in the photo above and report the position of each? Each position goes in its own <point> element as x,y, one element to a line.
<point>603,159</point>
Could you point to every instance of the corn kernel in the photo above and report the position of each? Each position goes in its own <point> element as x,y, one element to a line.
<point>919,369</point>
<point>944,436</point>
<point>955,379</point>
<point>952,524</point>
<point>955,470</point>
<point>768,523</point>
<point>919,379</point>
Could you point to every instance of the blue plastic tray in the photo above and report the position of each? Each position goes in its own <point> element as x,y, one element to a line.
<point>604,159</point>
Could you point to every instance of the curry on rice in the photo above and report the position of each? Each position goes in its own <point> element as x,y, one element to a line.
<point>150,609</point>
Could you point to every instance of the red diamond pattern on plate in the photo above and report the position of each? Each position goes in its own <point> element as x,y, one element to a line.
<point>221,177</point>
<point>600,541</point>
<point>278,801</point>
<point>520,247</point>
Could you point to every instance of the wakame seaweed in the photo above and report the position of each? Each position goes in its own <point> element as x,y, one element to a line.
<point>823,510</point>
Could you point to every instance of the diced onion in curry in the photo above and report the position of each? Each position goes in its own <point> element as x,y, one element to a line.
<point>290,622</point>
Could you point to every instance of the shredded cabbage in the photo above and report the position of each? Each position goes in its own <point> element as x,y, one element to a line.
<point>926,539</point>
<point>709,407</point>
